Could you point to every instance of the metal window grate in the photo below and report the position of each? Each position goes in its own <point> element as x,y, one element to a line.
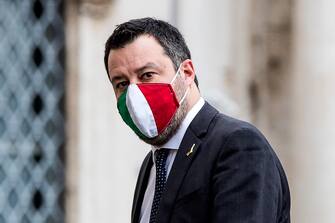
<point>31,111</point>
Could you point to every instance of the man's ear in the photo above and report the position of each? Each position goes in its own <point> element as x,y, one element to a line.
<point>188,70</point>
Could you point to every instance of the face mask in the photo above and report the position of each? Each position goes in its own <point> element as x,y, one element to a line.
<point>148,108</point>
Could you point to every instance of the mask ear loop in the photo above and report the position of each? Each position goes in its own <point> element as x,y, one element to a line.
<point>183,98</point>
<point>175,76</point>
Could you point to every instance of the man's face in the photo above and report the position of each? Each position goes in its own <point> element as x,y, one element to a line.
<point>144,61</point>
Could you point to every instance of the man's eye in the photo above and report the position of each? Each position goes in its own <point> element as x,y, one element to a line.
<point>122,85</point>
<point>147,75</point>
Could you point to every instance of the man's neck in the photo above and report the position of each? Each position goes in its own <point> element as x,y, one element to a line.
<point>193,97</point>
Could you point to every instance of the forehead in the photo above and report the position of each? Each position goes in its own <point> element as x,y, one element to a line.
<point>144,49</point>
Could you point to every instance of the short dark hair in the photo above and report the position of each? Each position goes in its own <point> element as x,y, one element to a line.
<point>167,35</point>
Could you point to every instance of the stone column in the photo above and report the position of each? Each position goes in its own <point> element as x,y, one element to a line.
<point>211,31</point>
<point>313,112</point>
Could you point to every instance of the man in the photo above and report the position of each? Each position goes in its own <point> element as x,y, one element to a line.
<point>204,166</point>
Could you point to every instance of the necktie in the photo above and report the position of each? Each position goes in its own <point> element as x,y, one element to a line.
<point>160,162</point>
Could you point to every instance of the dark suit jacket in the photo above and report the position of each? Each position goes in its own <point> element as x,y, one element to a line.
<point>232,175</point>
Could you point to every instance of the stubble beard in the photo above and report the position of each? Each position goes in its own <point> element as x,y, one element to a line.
<point>175,122</point>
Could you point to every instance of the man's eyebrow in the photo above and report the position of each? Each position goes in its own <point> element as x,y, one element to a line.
<point>146,66</point>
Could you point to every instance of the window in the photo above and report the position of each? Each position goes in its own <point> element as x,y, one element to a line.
<point>31,111</point>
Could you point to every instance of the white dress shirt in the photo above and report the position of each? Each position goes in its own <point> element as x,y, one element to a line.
<point>173,145</point>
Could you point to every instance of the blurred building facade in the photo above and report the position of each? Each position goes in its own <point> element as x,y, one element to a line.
<point>269,62</point>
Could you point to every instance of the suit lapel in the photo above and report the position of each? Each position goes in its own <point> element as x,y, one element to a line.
<point>141,187</point>
<point>188,150</point>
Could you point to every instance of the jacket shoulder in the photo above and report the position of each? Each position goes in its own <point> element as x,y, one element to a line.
<point>226,126</point>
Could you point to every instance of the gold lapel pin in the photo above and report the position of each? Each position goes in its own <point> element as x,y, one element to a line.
<point>191,150</point>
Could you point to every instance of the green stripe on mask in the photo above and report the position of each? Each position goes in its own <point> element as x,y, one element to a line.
<point>123,110</point>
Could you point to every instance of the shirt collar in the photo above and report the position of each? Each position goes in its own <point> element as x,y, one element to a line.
<point>176,139</point>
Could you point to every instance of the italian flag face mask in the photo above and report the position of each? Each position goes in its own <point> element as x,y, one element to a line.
<point>148,108</point>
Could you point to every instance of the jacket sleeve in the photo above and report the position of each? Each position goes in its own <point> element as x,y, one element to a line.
<point>246,182</point>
